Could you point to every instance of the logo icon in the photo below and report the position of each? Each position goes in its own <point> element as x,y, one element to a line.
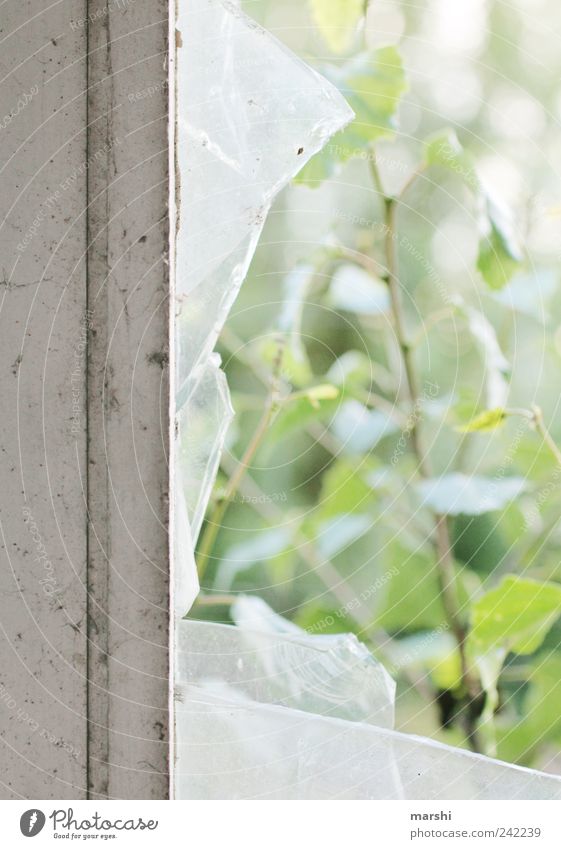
<point>31,822</point>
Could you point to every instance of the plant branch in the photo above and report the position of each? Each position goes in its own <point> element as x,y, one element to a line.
<point>443,545</point>
<point>535,417</point>
<point>215,520</point>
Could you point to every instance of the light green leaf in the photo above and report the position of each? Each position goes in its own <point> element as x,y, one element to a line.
<point>355,290</point>
<point>337,21</point>
<point>457,493</point>
<point>514,617</point>
<point>297,414</point>
<point>500,254</point>
<point>486,421</point>
<point>373,84</point>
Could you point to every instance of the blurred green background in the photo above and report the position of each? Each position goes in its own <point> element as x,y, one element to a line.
<point>328,524</point>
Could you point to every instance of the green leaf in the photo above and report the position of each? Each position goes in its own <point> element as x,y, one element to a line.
<point>408,596</point>
<point>344,491</point>
<point>457,493</point>
<point>337,21</point>
<point>355,290</point>
<point>373,84</point>
<point>514,617</point>
<point>297,414</point>
<point>486,421</point>
<point>500,254</point>
<point>479,542</point>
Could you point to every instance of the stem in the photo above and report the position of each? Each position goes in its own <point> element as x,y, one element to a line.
<point>214,522</point>
<point>537,418</point>
<point>443,545</point>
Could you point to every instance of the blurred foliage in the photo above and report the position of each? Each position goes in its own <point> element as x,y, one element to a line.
<point>456,136</point>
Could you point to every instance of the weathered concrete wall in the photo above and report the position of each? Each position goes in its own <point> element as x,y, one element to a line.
<point>42,424</point>
<point>128,295</point>
<point>84,589</point>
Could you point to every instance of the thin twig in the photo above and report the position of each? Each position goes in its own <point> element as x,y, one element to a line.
<point>541,428</point>
<point>443,545</point>
<point>216,519</point>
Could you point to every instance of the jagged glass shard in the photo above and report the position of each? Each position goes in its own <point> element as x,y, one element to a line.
<point>338,678</point>
<point>186,584</point>
<point>250,114</point>
<point>203,418</point>
<point>246,729</point>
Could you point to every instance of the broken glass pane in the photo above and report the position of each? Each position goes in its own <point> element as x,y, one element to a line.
<point>270,716</point>
<point>265,711</point>
<point>249,115</point>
